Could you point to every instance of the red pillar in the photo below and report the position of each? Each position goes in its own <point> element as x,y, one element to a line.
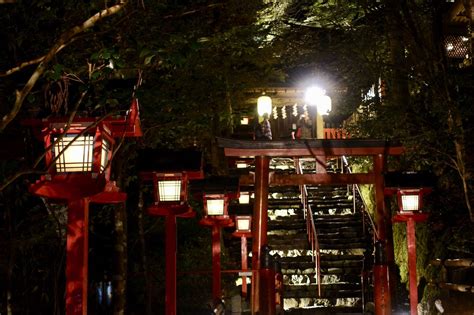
<point>267,301</point>
<point>243,254</point>
<point>216,261</point>
<point>170,251</point>
<point>77,249</point>
<point>259,228</point>
<point>411,243</point>
<point>382,298</point>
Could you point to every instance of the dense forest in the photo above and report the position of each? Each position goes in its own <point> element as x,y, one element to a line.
<point>190,63</point>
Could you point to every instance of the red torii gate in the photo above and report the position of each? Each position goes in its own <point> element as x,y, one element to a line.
<point>319,149</point>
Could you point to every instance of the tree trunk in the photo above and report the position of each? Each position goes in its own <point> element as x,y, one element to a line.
<point>11,250</point>
<point>120,278</point>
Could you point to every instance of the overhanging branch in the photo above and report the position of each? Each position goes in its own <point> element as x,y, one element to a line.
<point>63,41</point>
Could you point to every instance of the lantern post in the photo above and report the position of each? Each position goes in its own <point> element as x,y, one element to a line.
<point>410,205</point>
<point>243,229</point>
<point>170,195</point>
<point>78,153</point>
<point>217,193</point>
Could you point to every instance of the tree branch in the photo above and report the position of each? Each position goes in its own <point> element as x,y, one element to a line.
<point>63,41</point>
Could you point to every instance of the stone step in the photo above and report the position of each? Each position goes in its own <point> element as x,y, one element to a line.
<point>327,264</point>
<point>338,245</point>
<point>286,202</point>
<point>335,310</point>
<point>328,291</point>
<point>340,233</point>
<point>300,245</point>
<point>286,225</point>
<point>326,257</point>
<point>336,221</point>
<point>310,278</point>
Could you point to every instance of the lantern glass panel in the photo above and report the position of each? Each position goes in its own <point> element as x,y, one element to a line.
<point>104,155</point>
<point>75,154</point>
<point>215,206</point>
<point>243,224</point>
<point>169,190</point>
<point>244,198</point>
<point>241,165</point>
<point>410,202</point>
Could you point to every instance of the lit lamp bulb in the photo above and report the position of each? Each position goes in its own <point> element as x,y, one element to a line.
<point>316,96</point>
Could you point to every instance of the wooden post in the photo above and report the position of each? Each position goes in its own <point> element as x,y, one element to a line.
<point>243,254</point>
<point>170,266</point>
<point>216,262</point>
<point>259,226</point>
<point>77,257</point>
<point>411,244</point>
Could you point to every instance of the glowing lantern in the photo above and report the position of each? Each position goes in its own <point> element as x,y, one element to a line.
<point>264,105</point>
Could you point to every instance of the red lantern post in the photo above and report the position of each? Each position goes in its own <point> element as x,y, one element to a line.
<point>170,190</point>
<point>216,217</point>
<point>243,229</point>
<point>78,155</point>
<point>410,202</point>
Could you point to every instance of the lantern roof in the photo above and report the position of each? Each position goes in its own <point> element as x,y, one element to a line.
<point>152,161</point>
<point>408,180</point>
<point>217,185</point>
<point>124,124</point>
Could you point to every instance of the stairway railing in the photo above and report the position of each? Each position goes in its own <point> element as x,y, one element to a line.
<point>365,215</point>
<point>310,228</point>
<point>364,207</point>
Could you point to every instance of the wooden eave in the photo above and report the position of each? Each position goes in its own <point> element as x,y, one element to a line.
<point>308,148</point>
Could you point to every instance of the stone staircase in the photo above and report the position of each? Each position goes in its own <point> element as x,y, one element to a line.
<point>342,248</point>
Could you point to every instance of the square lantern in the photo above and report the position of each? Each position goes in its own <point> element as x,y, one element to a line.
<point>244,198</point>
<point>79,149</point>
<point>410,200</point>
<point>170,188</point>
<point>243,224</point>
<point>241,164</point>
<point>216,204</point>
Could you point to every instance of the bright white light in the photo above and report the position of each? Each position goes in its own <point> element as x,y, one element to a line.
<point>215,206</point>
<point>316,96</point>
<point>243,224</point>
<point>169,190</point>
<point>244,198</point>
<point>449,47</point>
<point>241,165</point>
<point>244,121</point>
<point>410,202</point>
<point>264,105</point>
<point>313,94</point>
<point>324,105</point>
